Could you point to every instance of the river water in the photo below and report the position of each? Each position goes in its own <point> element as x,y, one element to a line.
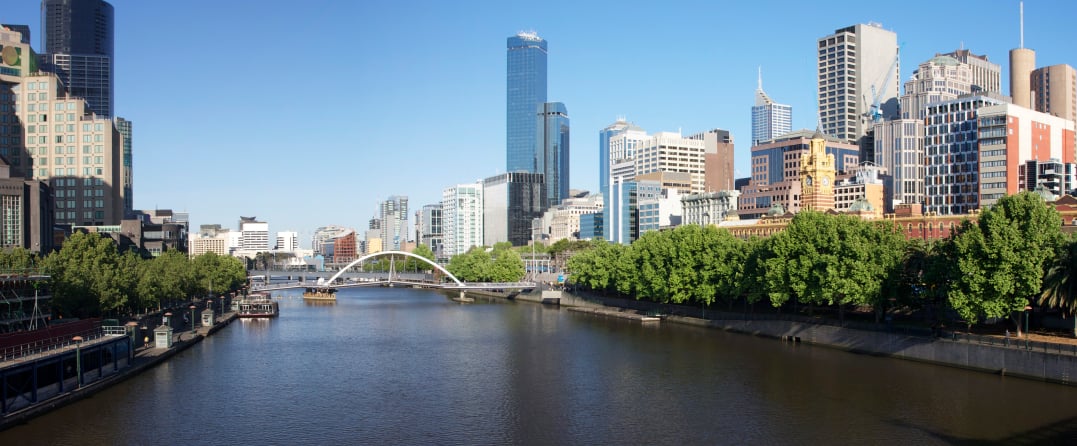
<point>405,366</point>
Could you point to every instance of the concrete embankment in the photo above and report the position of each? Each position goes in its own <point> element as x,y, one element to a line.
<point>1043,364</point>
<point>144,358</point>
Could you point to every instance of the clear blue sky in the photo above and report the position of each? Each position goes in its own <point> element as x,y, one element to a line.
<point>311,113</point>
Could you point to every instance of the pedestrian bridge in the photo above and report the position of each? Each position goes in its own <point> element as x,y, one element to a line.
<point>394,278</point>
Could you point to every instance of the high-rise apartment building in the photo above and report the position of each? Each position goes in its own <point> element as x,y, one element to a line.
<point>510,202</point>
<point>769,119</point>
<point>77,39</point>
<point>951,149</point>
<point>254,234</point>
<point>1054,91</point>
<point>525,92</point>
<point>462,220</point>
<point>899,150</point>
<point>394,222</point>
<point>858,68</point>
<point>552,156</point>
<point>616,143</point>
<point>986,75</point>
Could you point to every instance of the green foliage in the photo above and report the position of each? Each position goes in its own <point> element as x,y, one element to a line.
<point>500,264</point>
<point>1060,282</point>
<point>1002,258</point>
<point>423,251</point>
<point>19,260</point>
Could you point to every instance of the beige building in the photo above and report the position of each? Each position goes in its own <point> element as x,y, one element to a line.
<point>55,138</point>
<point>718,173</point>
<point>986,75</point>
<point>939,79</point>
<point>1054,91</point>
<point>670,152</point>
<point>851,62</point>
<point>202,243</point>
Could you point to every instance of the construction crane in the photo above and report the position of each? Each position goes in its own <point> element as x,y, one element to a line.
<point>875,112</point>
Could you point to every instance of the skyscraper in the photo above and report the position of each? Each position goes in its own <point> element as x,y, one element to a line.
<point>77,39</point>
<point>552,156</point>
<point>394,223</point>
<point>616,142</point>
<point>462,219</point>
<point>858,68</point>
<point>769,119</point>
<point>525,92</point>
<point>510,201</point>
<point>127,176</point>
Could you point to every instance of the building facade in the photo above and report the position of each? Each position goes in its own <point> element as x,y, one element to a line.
<point>951,161</point>
<point>986,75</point>
<point>462,219</point>
<point>394,222</point>
<point>1009,137</point>
<point>769,119</point>
<point>509,202</point>
<point>857,67</point>
<point>617,145</point>
<point>77,39</point>
<point>899,149</point>
<point>552,156</point>
<point>428,228</point>
<point>287,241</point>
<point>126,165</point>
<point>940,79</point>
<point>718,153</point>
<point>525,92</point>
<point>709,208</point>
<point>1054,91</point>
<point>254,235</point>
<point>26,218</point>
<point>669,152</point>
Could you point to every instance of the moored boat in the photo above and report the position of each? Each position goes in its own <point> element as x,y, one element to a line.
<point>257,305</point>
<point>320,294</point>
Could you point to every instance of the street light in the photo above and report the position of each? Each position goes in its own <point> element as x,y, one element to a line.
<point>78,359</point>
<point>192,307</point>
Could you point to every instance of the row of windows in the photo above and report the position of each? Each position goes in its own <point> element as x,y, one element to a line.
<point>70,215</point>
<point>59,161</point>
<point>61,193</point>
<point>42,172</point>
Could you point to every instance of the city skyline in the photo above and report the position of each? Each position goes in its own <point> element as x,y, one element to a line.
<point>213,132</point>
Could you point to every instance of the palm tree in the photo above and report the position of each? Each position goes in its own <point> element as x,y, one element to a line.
<point>1060,282</point>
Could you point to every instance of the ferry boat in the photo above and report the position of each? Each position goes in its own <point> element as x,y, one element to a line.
<point>320,295</point>
<point>257,305</point>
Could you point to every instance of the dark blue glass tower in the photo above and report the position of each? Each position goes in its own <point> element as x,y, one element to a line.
<point>525,93</point>
<point>553,150</point>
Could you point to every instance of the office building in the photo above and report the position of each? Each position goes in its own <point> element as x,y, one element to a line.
<point>525,92</point>
<point>563,222</point>
<point>951,161</point>
<point>26,207</point>
<point>509,202</point>
<point>986,75</point>
<point>462,219</point>
<point>857,69</point>
<point>1009,137</point>
<point>899,149</point>
<point>552,144</point>
<point>616,143</point>
<point>709,208</point>
<point>428,228</point>
<point>287,241</point>
<point>769,119</point>
<point>77,39</point>
<point>126,165</point>
<point>254,235</point>
<point>668,152</point>
<point>591,226</point>
<point>394,223</point>
<point>204,242</point>
<point>658,208</point>
<point>941,78</point>
<point>718,171</point>
<point>776,172</point>
<point>1053,175</point>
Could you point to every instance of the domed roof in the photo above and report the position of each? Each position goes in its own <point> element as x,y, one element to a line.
<point>818,134</point>
<point>1045,194</point>
<point>776,210</point>
<point>943,60</point>
<point>861,205</point>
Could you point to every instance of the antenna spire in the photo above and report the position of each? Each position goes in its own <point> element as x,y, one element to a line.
<point>760,77</point>
<point>1022,6</point>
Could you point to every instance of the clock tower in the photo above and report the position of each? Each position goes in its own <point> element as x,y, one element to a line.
<point>817,176</point>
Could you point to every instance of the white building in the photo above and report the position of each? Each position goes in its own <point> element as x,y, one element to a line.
<point>217,243</point>
<point>941,78</point>
<point>288,241</point>
<point>462,218</point>
<point>668,152</point>
<point>709,208</point>
<point>769,119</point>
<point>254,235</point>
<point>899,149</point>
<point>563,221</point>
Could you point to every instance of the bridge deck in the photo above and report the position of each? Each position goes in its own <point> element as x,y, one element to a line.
<point>442,285</point>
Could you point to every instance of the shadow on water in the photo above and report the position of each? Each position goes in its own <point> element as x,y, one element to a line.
<point>1063,432</point>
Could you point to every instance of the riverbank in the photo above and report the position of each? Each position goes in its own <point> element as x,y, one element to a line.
<point>952,349</point>
<point>143,359</point>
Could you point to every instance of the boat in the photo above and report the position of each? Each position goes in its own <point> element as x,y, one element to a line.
<point>320,295</point>
<point>257,305</point>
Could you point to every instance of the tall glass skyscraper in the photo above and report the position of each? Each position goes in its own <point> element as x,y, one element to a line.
<point>769,119</point>
<point>78,42</point>
<point>525,93</point>
<point>553,150</point>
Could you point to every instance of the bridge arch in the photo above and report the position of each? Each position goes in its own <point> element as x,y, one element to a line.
<point>385,253</point>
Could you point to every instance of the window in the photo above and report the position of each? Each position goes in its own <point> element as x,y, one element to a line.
<point>85,149</point>
<point>98,127</point>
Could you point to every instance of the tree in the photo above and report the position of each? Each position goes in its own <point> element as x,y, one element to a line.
<point>1060,282</point>
<point>83,275</point>
<point>19,260</point>
<point>1001,259</point>
<point>416,265</point>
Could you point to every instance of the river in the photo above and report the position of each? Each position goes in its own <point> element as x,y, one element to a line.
<point>405,366</point>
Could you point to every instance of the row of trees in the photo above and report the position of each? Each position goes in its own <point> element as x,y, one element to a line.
<point>90,277</point>
<point>498,264</point>
<point>1014,253</point>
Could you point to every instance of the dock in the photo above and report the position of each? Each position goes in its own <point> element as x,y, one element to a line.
<point>617,313</point>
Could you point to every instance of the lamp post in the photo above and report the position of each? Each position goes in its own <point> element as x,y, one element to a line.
<point>78,360</point>
<point>192,307</point>
<point>1028,309</point>
<point>209,306</point>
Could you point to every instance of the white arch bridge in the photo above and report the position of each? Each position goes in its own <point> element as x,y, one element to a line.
<point>393,278</point>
